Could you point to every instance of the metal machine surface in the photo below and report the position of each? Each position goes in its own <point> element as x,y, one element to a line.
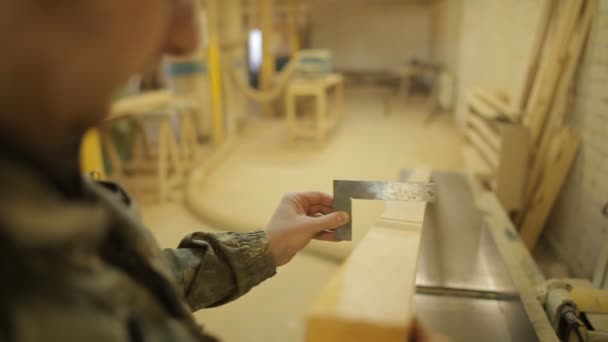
<point>476,280</point>
<point>463,287</point>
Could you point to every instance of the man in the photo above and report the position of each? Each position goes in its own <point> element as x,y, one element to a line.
<point>77,265</point>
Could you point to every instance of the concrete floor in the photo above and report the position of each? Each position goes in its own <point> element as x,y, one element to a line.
<point>244,190</point>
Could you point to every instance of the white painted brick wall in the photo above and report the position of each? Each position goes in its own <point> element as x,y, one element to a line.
<point>497,40</point>
<point>365,35</point>
<point>577,228</point>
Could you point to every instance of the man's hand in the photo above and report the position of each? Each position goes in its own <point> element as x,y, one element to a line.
<point>421,334</point>
<point>300,218</point>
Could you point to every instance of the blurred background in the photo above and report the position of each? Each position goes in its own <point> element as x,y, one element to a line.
<point>288,95</point>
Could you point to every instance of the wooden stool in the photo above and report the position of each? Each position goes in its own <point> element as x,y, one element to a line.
<point>161,164</point>
<point>323,119</point>
<point>167,161</point>
<point>161,167</point>
<point>189,148</point>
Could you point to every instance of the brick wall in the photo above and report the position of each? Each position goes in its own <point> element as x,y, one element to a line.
<point>446,24</point>
<point>497,39</point>
<point>368,35</point>
<point>578,230</point>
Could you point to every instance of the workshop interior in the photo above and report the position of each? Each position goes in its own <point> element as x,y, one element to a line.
<point>467,139</point>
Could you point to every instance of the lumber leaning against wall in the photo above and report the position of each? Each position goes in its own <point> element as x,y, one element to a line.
<point>497,48</point>
<point>564,147</point>
<point>555,146</point>
<point>560,104</point>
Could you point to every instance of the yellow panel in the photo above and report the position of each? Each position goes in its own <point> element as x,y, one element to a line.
<point>91,158</point>
<point>590,300</point>
<point>215,72</point>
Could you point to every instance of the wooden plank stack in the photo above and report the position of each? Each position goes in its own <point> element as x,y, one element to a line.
<point>525,154</point>
<point>498,147</point>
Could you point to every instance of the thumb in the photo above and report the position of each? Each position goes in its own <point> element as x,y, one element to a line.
<point>330,221</point>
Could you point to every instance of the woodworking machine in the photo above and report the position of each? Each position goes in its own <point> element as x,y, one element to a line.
<point>477,282</point>
<point>576,310</point>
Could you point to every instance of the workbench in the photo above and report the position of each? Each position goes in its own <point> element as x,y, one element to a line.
<point>325,116</point>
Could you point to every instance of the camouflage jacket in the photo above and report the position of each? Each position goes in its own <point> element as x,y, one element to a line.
<point>87,270</point>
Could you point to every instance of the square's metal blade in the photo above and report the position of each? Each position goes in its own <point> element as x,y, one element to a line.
<point>347,190</point>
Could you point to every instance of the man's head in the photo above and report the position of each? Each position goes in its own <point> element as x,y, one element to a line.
<point>63,60</point>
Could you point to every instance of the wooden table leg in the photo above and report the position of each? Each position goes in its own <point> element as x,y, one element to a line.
<point>291,110</point>
<point>175,158</point>
<point>163,156</point>
<point>188,144</point>
<point>141,153</point>
<point>340,100</point>
<point>321,115</point>
<point>169,161</point>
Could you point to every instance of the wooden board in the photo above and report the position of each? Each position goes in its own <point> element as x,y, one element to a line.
<point>549,76</point>
<point>513,167</point>
<point>497,104</point>
<point>601,268</point>
<point>486,130</point>
<point>140,103</point>
<point>564,148</point>
<point>480,107</point>
<point>561,105</point>
<point>567,82</point>
<point>540,37</point>
<point>478,143</point>
<point>371,296</point>
<point>475,164</point>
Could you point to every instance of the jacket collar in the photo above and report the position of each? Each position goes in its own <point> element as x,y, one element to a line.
<point>34,213</point>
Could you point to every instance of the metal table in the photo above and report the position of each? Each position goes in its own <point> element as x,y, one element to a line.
<point>463,288</point>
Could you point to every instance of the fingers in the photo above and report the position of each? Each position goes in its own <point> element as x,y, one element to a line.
<point>328,222</point>
<point>420,333</point>
<point>417,333</point>
<point>319,209</point>
<point>317,198</point>
<point>326,235</point>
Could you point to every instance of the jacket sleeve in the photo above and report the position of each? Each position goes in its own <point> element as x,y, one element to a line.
<point>214,269</point>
